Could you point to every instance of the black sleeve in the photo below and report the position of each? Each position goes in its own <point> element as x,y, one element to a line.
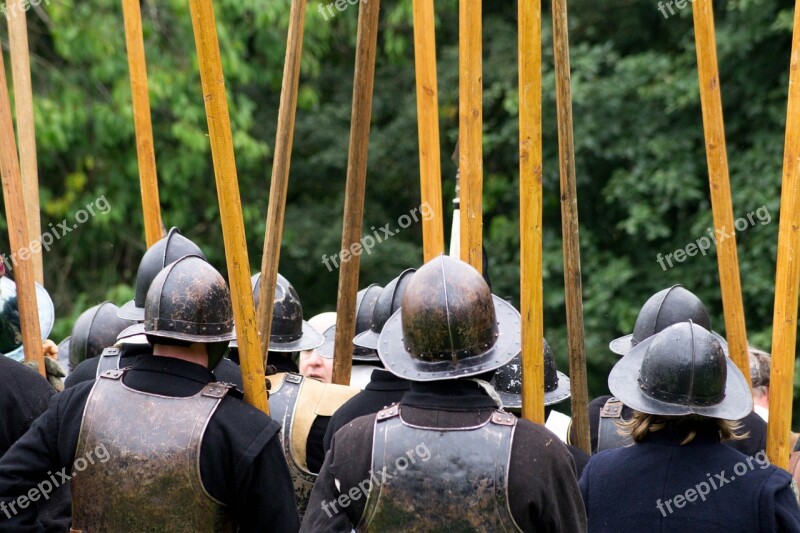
<point>85,371</point>
<point>315,454</point>
<point>24,395</point>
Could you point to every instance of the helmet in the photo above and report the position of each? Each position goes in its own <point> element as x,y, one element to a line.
<point>760,362</point>
<point>365,307</point>
<point>169,249</point>
<point>680,371</point>
<point>449,326</point>
<point>96,329</point>
<point>665,308</point>
<point>189,301</point>
<point>508,381</point>
<point>10,329</point>
<point>388,301</point>
<point>289,332</point>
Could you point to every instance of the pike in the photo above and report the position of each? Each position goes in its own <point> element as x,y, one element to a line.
<point>219,130</point>
<point>18,235</point>
<point>530,208</point>
<point>279,185</point>
<point>428,127</point>
<point>366,45</point>
<point>784,333</point>
<point>569,221</point>
<point>470,130</point>
<point>26,131</point>
<point>719,181</point>
<point>145,151</point>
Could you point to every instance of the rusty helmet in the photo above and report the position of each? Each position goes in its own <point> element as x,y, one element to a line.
<point>449,326</point>
<point>96,329</point>
<point>663,309</point>
<point>156,258</point>
<point>507,381</point>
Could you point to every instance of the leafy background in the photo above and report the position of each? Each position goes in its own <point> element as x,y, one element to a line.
<point>640,156</point>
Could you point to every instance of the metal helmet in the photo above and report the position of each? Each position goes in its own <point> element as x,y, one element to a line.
<point>665,308</point>
<point>10,329</point>
<point>507,381</point>
<point>365,307</point>
<point>680,371</point>
<point>189,301</point>
<point>289,332</point>
<point>760,363</point>
<point>63,355</point>
<point>96,329</point>
<point>389,300</point>
<point>450,326</point>
<point>155,259</point>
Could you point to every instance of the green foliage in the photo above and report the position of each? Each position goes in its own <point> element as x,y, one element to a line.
<point>640,156</point>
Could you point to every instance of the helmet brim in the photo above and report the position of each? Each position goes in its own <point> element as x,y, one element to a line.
<point>63,355</point>
<point>623,382</point>
<point>47,313</point>
<point>367,339</point>
<point>129,311</point>
<point>400,362</point>
<point>309,340</point>
<point>624,344</point>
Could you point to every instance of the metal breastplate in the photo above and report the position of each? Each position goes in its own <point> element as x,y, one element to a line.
<point>109,360</point>
<point>149,479</point>
<point>607,435</point>
<point>462,485</point>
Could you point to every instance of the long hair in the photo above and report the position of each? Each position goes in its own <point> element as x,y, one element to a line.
<point>641,424</point>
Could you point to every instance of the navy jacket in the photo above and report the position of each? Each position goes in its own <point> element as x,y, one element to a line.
<point>658,485</point>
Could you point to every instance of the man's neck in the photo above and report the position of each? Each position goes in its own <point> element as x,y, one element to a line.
<point>194,353</point>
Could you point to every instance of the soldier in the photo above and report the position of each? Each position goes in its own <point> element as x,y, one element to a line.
<point>446,458</point>
<point>384,388</point>
<point>684,393</point>
<point>161,445</point>
<point>665,308</point>
<point>508,384</point>
<point>131,342</point>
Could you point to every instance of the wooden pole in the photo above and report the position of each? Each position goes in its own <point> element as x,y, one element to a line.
<point>230,207</point>
<point>573,292</point>
<point>19,239</point>
<point>148,178</point>
<point>717,156</point>
<point>430,171</point>
<point>470,130</point>
<point>530,208</point>
<point>26,131</point>
<point>784,331</point>
<point>280,172</point>
<point>367,41</point>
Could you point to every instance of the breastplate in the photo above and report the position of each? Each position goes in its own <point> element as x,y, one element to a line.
<point>149,479</point>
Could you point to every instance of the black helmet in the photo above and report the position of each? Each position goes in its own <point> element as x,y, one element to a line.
<point>365,307</point>
<point>449,326</point>
<point>189,301</point>
<point>507,381</point>
<point>663,309</point>
<point>680,371</point>
<point>169,249</point>
<point>96,329</point>
<point>389,300</point>
<point>289,332</point>
<point>10,329</point>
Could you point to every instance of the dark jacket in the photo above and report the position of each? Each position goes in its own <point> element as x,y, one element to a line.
<point>703,486</point>
<point>542,486</point>
<point>240,449</point>
<point>383,390</point>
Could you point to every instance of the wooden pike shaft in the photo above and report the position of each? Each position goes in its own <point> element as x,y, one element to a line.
<point>569,220</point>
<point>26,131</point>
<point>18,235</point>
<point>145,150</point>
<point>784,332</point>
<point>280,172</point>
<point>470,130</point>
<point>717,156</point>
<point>428,127</point>
<point>530,196</point>
<point>219,131</point>
<point>367,40</point>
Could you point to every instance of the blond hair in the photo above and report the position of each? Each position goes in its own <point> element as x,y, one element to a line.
<point>641,424</point>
